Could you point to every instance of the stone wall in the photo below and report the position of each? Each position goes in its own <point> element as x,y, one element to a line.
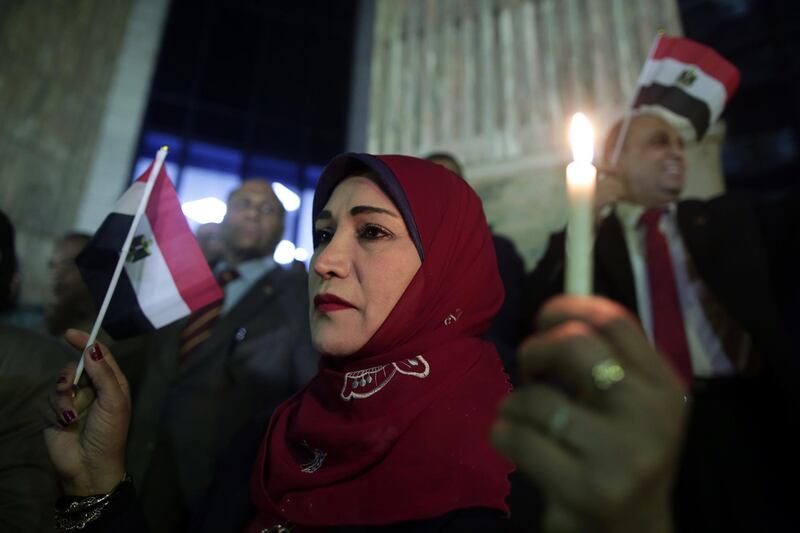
<point>58,61</point>
<point>495,82</point>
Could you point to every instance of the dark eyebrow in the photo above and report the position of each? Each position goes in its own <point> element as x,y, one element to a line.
<point>359,209</point>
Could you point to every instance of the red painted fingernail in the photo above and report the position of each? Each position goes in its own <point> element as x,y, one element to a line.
<point>68,416</point>
<point>61,379</point>
<point>95,353</point>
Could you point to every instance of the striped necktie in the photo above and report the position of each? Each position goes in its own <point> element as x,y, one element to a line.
<point>201,322</point>
<point>668,328</point>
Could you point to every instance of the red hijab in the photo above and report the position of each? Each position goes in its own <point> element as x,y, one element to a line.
<point>400,430</point>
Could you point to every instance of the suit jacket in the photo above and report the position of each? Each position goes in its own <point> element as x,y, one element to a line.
<point>29,363</point>
<point>722,237</point>
<point>258,354</point>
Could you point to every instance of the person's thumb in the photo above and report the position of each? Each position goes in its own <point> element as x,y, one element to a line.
<point>105,375</point>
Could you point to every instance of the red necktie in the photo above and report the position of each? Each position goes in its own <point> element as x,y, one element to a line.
<point>668,327</point>
<point>201,322</point>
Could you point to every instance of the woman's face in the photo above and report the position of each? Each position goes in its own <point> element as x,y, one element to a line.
<point>363,263</point>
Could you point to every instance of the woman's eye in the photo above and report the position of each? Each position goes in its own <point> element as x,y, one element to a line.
<point>372,232</point>
<point>323,236</point>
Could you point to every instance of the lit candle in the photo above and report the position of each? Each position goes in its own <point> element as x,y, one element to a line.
<point>580,188</point>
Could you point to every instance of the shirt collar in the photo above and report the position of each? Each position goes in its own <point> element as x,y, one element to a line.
<point>629,212</point>
<point>250,270</point>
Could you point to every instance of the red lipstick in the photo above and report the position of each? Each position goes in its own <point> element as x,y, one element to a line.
<point>327,303</point>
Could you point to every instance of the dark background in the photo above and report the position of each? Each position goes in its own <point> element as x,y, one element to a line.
<point>268,78</point>
<point>761,154</point>
<point>273,78</point>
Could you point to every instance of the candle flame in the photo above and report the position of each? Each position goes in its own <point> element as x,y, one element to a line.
<point>581,137</point>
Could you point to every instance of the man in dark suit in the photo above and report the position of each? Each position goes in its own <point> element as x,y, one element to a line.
<point>209,375</point>
<point>697,275</point>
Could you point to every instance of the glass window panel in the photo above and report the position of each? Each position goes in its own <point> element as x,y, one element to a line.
<point>290,226</point>
<point>288,195</point>
<point>273,169</point>
<point>312,173</point>
<point>152,141</point>
<point>213,157</point>
<point>205,185</point>
<point>304,240</point>
<point>143,162</point>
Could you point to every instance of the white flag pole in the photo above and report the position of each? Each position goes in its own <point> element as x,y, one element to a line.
<point>626,121</point>
<point>123,254</point>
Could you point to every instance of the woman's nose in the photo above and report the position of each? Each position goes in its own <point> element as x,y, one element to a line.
<point>332,259</point>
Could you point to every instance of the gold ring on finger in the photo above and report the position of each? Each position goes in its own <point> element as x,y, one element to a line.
<point>607,373</point>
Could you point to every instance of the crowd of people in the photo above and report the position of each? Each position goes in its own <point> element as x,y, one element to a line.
<point>416,379</point>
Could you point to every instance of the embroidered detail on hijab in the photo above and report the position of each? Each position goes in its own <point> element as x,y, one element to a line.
<point>316,462</point>
<point>453,317</point>
<point>364,383</point>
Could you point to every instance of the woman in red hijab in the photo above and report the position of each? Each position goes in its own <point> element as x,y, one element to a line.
<point>394,428</point>
<point>393,432</point>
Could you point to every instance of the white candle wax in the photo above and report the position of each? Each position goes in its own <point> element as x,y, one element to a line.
<point>580,188</point>
<point>581,176</point>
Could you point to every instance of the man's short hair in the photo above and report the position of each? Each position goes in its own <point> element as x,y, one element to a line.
<point>281,207</point>
<point>446,156</point>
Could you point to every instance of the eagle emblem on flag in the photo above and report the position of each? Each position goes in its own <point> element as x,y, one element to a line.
<point>162,276</point>
<point>688,80</point>
<point>687,77</point>
<point>140,248</point>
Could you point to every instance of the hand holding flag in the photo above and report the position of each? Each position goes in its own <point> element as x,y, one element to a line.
<point>684,79</point>
<point>687,79</point>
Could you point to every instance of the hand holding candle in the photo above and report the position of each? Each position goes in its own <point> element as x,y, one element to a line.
<point>581,176</point>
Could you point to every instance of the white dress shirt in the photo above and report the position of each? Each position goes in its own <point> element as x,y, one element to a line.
<point>708,354</point>
<point>249,271</point>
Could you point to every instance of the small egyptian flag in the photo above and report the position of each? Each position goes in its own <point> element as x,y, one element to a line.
<point>689,80</point>
<point>165,276</point>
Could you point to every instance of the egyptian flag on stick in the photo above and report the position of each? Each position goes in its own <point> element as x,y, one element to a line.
<point>687,79</point>
<point>145,255</point>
